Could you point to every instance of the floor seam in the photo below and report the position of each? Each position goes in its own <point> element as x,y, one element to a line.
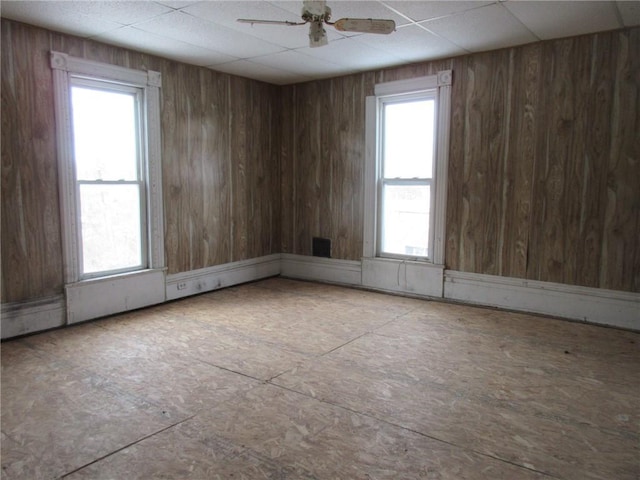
<point>125,447</point>
<point>422,434</point>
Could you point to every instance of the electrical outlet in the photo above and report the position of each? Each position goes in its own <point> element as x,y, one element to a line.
<point>182,285</point>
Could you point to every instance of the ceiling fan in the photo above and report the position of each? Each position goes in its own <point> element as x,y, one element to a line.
<point>316,14</point>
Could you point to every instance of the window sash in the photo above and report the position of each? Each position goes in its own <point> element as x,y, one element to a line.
<point>137,93</point>
<point>382,221</point>
<point>142,230</point>
<point>382,101</point>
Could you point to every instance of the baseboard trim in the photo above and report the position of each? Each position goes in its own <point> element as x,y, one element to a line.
<point>330,270</point>
<point>591,305</point>
<point>405,277</point>
<point>100,297</point>
<point>22,318</point>
<point>184,284</point>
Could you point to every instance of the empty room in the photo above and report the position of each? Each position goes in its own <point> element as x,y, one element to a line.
<point>320,240</point>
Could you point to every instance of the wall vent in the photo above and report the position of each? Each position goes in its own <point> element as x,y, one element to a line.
<point>321,247</point>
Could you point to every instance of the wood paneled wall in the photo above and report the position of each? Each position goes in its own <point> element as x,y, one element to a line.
<point>544,173</point>
<point>545,165</point>
<point>221,176</point>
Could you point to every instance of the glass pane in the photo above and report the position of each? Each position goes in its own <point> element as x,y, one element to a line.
<point>408,139</point>
<point>104,134</point>
<point>405,219</point>
<point>111,238</point>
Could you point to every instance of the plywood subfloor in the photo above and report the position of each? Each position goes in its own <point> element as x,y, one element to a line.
<point>294,380</point>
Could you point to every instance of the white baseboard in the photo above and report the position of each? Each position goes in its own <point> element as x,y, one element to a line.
<point>591,305</point>
<point>183,284</point>
<point>331,270</point>
<point>406,277</point>
<point>21,318</point>
<point>104,296</point>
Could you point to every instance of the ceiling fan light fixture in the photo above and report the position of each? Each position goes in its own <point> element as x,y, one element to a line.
<point>316,13</point>
<point>317,35</point>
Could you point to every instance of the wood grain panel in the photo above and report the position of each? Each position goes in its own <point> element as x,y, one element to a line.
<point>215,168</point>
<point>239,153</point>
<point>308,158</point>
<point>521,160</point>
<point>326,165</point>
<point>486,129</point>
<point>554,145</point>
<point>31,238</point>
<point>620,246</point>
<point>287,173</point>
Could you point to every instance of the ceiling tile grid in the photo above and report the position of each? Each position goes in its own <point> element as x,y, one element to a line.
<point>206,33</point>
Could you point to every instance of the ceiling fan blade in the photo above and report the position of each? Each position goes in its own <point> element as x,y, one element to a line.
<point>268,22</point>
<point>365,25</point>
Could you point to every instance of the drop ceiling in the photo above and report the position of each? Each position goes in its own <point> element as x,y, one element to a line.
<point>206,33</point>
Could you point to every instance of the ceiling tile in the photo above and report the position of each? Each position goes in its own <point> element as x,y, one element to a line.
<point>364,9</point>
<point>227,13</point>
<point>131,37</point>
<point>482,29</point>
<point>249,69</point>
<point>353,56</point>
<point>196,31</point>
<point>296,62</point>
<point>564,19</point>
<point>123,12</point>
<point>56,16</point>
<point>630,13</point>
<point>420,11</point>
<point>412,43</point>
<point>176,4</point>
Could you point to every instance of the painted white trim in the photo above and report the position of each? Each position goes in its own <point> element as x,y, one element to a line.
<point>331,270</point>
<point>183,284</point>
<point>403,276</point>
<point>442,164</point>
<point>410,85</point>
<point>87,299</point>
<point>21,318</point>
<point>67,63</point>
<point>66,173</point>
<point>370,177</point>
<point>153,165</point>
<point>99,297</point>
<point>591,305</point>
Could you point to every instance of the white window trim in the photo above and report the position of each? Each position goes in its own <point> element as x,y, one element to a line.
<point>106,295</point>
<point>441,82</point>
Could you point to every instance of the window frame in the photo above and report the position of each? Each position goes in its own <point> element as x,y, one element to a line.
<point>66,69</point>
<point>440,85</point>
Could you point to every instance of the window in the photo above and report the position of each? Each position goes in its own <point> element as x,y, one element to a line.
<point>406,172</point>
<point>108,135</point>
<point>407,148</point>
<point>109,177</point>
